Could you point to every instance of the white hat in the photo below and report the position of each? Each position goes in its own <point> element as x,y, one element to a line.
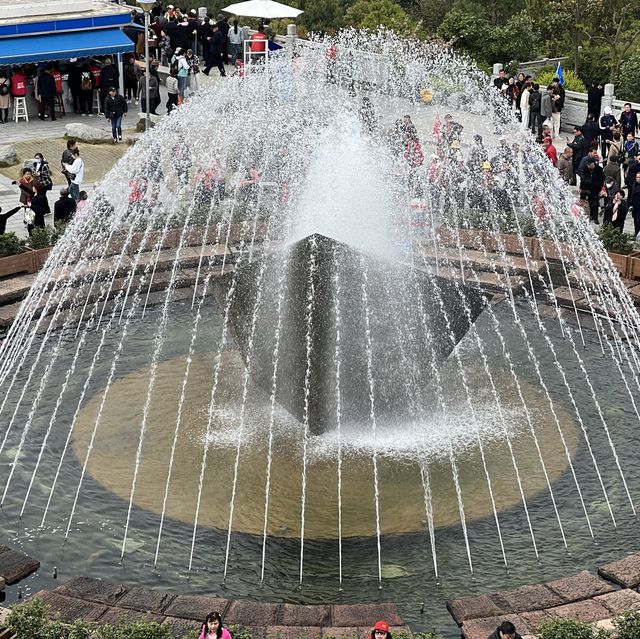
<point>607,110</point>
<point>170,6</point>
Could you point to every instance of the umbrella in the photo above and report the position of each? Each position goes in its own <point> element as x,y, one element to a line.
<point>263,9</point>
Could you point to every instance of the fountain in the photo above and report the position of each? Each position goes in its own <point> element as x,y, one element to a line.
<point>336,374</point>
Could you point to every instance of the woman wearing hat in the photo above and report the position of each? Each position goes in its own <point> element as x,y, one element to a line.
<point>381,631</point>
<point>607,123</point>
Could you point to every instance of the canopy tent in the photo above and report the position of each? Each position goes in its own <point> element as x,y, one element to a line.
<point>60,46</point>
<point>263,9</point>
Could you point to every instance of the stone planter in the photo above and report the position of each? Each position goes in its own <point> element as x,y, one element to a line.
<point>633,266</point>
<point>620,262</point>
<point>31,261</point>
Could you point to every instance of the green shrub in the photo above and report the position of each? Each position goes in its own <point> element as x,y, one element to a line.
<point>27,619</point>
<point>11,244</point>
<point>571,81</point>
<point>41,237</point>
<point>627,625</point>
<point>614,241</point>
<point>240,632</point>
<point>628,80</point>
<point>566,629</point>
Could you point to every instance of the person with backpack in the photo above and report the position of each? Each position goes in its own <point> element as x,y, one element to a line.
<point>115,108</point>
<point>535,104</point>
<point>109,77</point>
<point>42,175</point>
<point>45,93</point>
<point>5,96</point>
<point>131,77</point>
<point>87,84</point>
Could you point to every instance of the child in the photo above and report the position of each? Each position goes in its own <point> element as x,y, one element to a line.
<point>239,64</point>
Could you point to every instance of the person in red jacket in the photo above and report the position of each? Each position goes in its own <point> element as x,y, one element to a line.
<point>258,44</point>
<point>550,151</point>
<point>18,83</point>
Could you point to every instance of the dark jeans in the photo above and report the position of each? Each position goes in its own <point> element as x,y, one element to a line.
<point>75,96</point>
<point>131,91</point>
<point>5,115</point>
<point>86,101</point>
<point>535,123</point>
<point>594,206</point>
<point>74,191</point>
<point>215,61</point>
<point>47,103</point>
<point>116,127</point>
<point>172,102</point>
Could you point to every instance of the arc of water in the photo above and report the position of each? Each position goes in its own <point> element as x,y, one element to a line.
<point>310,302</point>
<point>214,388</point>
<point>245,389</point>
<point>338,359</point>
<point>274,388</point>
<point>428,509</point>
<point>372,410</point>
<point>157,349</point>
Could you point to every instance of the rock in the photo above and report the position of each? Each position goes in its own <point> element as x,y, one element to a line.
<point>91,589</point>
<point>192,606</point>
<point>474,608</point>
<point>249,613</point>
<point>527,598</point>
<point>146,600</point>
<point>8,155</point>
<point>86,133</point>
<point>483,628</point>
<point>295,615</point>
<point>581,586</point>
<point>69,608</point>
<point>296,632</point>
<point>141,124</point>
<point>365,614</point>
<point>180,627</point>
<point>620,601</point>
<point>116,614</point>
<point>15,565</point>
<point>584,611</point>
<point>625,572</point>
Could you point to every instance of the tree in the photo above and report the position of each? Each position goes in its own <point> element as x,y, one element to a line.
<point>371,14</point>
<point>628,79</point>
<point>322,16</point>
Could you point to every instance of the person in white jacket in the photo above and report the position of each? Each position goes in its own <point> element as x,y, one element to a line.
<point>524,105</point>
<point>76,174</point>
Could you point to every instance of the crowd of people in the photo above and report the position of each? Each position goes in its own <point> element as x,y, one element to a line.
<point>602,158</point>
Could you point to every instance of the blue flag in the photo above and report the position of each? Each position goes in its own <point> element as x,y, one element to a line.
<point>560,74</point>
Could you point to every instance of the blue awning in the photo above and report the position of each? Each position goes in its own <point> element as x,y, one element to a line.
<point>61,46</point>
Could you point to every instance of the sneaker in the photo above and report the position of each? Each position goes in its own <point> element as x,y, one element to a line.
<point>135,102</point>
<point>128,101</point>
<point>120,139</point>
<point>115,140</point>
<point>84,115</point>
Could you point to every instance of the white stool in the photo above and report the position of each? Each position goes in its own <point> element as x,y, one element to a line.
<point>20,109</point>
<point>96,102</point>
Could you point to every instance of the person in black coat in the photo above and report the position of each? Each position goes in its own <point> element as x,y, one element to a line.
<point>64,208</point>
<point>46,93</point>
<point>74,86</point>
<point>5,216</point>
<point>634,202</point>
<point>579,146</point>
<point>223,27</point>
<point>171,29</point>
<point>506,630</point>
<point>115,108</point>
<point>215,52</point>
<point>592,180</point>
<point>615,213</point>
<point>628,121</point>
<point>594,99</point>
<point>39,207</point>
<point>590,129</point>
<point>184,35</point>
<point>109,77</point>
<point>205,34</point>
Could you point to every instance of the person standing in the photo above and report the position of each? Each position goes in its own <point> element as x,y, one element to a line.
<point>183,71</point>
<point>524,105</point>
<point>634,202</point>
<point>115,108</point>
<point>67,158</point>
<point>73,81</point>
<point>76,173</point>
<point>64,208</point>
<point>223,27</point>
<point>628,121</point>
<point>109,77</point>
<point>560,95</point>
<point>46,92</point>
<point>154,92</point>
<point>215,52</point>
<point>594,99</point>
<point>172,90</point>
<point>39,207</point>
<point>606,125</point>
<point>236,38</point>
<point>579,148</point>
<point>194,71</point>
<point>5,96</point>
<point>535,104</point>
<point>565,165</point>
<point>592,180</point>
<point>87,85</point>
<point>615,213</point>
<point>42,175</point>
<point>546,107</point>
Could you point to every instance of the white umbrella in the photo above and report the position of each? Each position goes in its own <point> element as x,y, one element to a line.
<point>263,9</point>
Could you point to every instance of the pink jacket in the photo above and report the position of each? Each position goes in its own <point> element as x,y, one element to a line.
<point>225,633</point>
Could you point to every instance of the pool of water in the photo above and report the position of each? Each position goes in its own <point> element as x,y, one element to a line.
<point>95,540</point>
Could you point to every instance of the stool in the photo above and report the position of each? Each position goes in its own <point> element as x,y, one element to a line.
<point>58,105</point>
<point>96,102</point>
<point>20,109</point>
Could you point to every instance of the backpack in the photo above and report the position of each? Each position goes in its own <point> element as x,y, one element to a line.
<point>173,69</point>
<point>4,88</point>
<point>535,101</point>
<point>85,82</point>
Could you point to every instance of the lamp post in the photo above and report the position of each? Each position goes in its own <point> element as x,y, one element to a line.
<point>146,6</point>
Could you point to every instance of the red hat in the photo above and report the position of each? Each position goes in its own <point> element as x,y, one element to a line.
<point>381,625</point>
